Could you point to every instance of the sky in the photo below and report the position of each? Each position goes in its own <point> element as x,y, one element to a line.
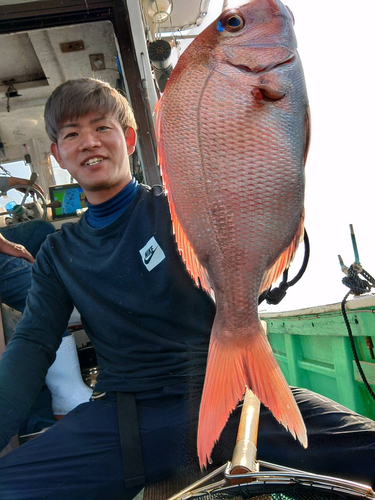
<point>336,45</point>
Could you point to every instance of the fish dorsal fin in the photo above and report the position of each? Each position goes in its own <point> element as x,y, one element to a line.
<point>284,260</point>
<point>189,258</point>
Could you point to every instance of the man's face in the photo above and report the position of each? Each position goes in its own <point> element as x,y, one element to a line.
<point>94,149</point>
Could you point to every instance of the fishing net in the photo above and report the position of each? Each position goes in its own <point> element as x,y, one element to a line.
<point>295,492</point>
<point>261,490</point>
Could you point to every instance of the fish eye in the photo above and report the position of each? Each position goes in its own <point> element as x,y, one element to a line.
<point>232,21</point>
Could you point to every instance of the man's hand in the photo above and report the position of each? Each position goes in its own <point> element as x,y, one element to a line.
<point>12,181</point>
<point>14,249</point>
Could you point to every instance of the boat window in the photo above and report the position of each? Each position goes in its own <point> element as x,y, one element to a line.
<point>17,168</point>
<point>60,176</point>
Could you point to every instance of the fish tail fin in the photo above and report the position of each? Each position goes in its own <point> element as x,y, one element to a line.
<point>247,362</point>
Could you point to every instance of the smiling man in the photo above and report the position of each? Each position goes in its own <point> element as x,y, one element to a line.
<point>150,327</point>
<point>94,146</point>
<point>94,149</point>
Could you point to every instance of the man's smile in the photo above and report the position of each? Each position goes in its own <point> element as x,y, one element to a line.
<point>94,160</point>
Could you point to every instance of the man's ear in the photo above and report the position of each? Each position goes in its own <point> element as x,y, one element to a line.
<point>131,139</point>
<point>55,152</point>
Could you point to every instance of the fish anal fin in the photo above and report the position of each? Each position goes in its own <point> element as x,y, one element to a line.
<point>185,248</point>
<point>247,362</point>
<point>284,260</point>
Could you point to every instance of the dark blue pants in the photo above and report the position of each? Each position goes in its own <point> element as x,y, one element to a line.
<point>80,456</point>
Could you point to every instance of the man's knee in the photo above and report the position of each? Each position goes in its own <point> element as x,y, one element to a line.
<point>42,226</point>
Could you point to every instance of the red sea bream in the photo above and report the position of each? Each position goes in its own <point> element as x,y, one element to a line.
<point>233,133</point>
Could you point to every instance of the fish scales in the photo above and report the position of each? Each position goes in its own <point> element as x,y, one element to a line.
<point>233,132</point>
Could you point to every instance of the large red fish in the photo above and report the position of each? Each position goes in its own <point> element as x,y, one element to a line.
<point>233,129</point>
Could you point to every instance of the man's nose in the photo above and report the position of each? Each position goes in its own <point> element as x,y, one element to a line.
<point>89,140</point>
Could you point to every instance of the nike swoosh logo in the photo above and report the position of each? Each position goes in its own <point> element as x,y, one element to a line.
<point>149,257</point>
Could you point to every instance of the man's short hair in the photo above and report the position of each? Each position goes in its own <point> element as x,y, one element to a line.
<point>79,97</point>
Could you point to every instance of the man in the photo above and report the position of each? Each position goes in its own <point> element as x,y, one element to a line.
<point>150,327</point>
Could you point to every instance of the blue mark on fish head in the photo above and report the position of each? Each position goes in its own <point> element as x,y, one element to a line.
<point>219,27</point>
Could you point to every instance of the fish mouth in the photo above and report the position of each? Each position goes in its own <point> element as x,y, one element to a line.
<point>261,68</point>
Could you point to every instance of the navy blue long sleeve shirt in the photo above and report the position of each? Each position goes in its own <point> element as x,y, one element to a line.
<point>148,322</point>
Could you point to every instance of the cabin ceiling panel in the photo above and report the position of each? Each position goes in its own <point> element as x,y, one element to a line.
<point>25,65</point>
<point>43,58</point>
<point>98,38</point>
<point>187,14</point>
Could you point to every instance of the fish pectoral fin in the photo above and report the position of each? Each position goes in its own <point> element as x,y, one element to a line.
<point>284,260</point>
<point>269,88</point>
<point>268,93</point>
<point>245,359</point>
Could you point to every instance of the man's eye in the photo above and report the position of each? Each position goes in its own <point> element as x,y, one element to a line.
<point>103,127</point>
<point>71,134</point>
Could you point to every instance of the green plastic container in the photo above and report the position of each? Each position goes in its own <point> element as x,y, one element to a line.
<point>313,350</point>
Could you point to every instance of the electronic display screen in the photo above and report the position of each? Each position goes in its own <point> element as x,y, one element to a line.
<point>71,197</point>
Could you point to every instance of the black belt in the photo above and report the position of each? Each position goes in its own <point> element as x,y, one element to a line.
<point>131,449</point>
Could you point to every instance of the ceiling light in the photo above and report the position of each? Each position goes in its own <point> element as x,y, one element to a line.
<point>158,10</point>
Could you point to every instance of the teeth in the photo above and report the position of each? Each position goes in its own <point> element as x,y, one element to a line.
<point>94,161</point>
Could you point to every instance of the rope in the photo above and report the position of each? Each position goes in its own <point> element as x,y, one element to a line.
<point>357,286</point>
<point>355,283</point>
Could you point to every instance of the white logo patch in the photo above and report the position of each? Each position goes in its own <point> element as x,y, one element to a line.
<point>151,254</point>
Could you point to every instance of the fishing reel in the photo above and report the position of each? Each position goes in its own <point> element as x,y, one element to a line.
<point>32,206</point>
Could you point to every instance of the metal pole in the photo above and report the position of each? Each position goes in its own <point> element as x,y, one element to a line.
<point>245,450</point>
<point>354,243</point>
